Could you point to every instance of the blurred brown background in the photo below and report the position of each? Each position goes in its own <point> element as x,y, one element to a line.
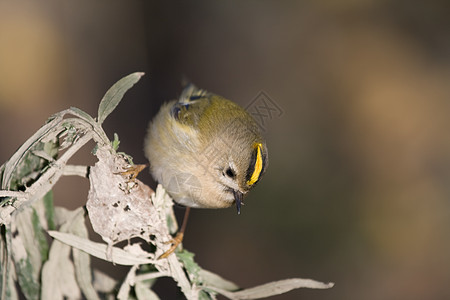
<point>357,191</point>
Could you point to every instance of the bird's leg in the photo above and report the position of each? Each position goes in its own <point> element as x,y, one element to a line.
<point>176,241</point>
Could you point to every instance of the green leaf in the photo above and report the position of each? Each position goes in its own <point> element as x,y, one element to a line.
<point>31,165</point>
<point>115,143</point>
<point>29,286</point>
<point>94,150</point>
<point>187,259</point>
<point>115,94</point>
<point>203,295</point>
<point>7,283</point>
<point>29,250</point>
<point>39,236</point>
<point>49,210</point>
<point>15,169</point>
<point>10,291</point>
<point>26,171</point>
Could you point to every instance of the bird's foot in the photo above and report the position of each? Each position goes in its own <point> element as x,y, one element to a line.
<point>133,171</point>
<point>176,241</point>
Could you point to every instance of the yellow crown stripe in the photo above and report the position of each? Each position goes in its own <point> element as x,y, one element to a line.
<point>258,165</point>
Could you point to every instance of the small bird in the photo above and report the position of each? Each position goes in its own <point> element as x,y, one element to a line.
<point>206,151</point>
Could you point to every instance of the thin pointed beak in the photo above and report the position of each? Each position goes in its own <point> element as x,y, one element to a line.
<point>238,196</point>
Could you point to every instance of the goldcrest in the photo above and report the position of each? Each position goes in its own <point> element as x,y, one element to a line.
<point>207,151</point>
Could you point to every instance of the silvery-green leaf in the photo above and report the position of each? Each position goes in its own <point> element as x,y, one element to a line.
<point>58,275</point>
<point>99,250</point>
<point>11,289</point>
<point>103,283</point>
<point>29,247</point>
<point>51,147</point>
<point>125,288</point>
<point>29,250</point>
<point>83,272</point>
<point>179,275</point>
<point>10,168</point>
<point>27,170</point>
<point>49,210</point>
<point>40,241</point>
<point>8,289</point>
<point>212,279</point>
<point>25,167</point>
<point>143,291</point>
<point>72,170</point>
<point>63,214</point>
<point>206,295</point>
<point>274,288</point>
<point>82,260</point>
<point>115,94</point>
<point>82,114</point>
<point>187,258</point>
<point>44,155</point>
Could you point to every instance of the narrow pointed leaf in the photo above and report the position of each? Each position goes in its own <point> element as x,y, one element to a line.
<point>119,256</point>
<point>82,114</point>
<point>273,288</point>
<point>212,279</point>
<point>115,94</point>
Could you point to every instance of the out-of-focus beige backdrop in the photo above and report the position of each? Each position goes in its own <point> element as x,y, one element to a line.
<point>358,187</point>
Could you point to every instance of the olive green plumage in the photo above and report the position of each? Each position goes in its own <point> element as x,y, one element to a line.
<point>205,150</point>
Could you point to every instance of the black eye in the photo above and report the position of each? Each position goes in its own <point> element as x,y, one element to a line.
<point>230,173</point>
